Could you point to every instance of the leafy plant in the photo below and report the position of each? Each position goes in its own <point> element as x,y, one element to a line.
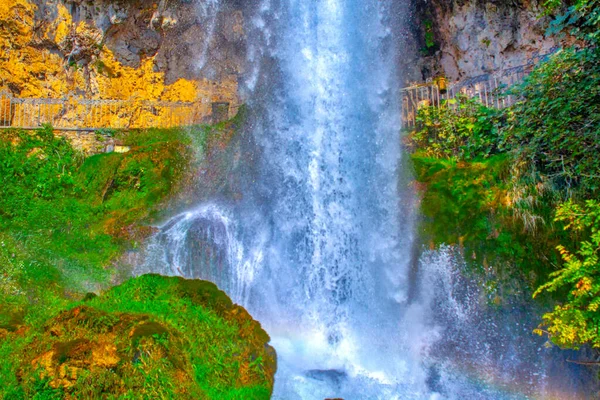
<point>553,130</point>
<point>460,129</point>
<point>576,320</point>
<point>429,39</point>
<point>580,20</point>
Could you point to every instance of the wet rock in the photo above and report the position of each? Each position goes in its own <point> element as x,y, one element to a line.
<point>333,376</point>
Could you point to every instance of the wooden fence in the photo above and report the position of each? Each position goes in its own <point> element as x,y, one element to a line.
<point>79,114</point>
<point>490,90</point>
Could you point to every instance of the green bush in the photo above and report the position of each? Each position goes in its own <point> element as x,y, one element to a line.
<point>576,320</point>
<point>461,129</point>
<point>553,132</point>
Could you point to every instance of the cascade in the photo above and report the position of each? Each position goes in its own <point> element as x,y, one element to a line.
<point>320,250</point>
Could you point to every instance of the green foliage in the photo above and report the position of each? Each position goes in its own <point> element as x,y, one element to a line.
<point>549,143</point>
<point>576,321</point>
<point>554,130</point>
<point>581,20</point>
<point>460,197</point>
<point>547,146</point>
<point>64,221</point>
<point>460,129</point>
<point>466,204</point>
<point>64,218</point>
<point>41,162</point>
<point>430,46</point>
<point>429,39</point>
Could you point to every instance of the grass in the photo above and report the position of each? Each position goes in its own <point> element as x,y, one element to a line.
<point>151,337</point>
<point>65,221</point>
<point>466,203</point>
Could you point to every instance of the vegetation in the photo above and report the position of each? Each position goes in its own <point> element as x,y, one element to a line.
<point>64,218</point>
<point>461,129</point>
<point>472,192</point>
<point>516,188</point>
<point>65,221</point>
<point>151,337</point>
<point>575,322</point>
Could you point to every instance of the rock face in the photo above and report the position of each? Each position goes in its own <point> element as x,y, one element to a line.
<point>467,38</point>
<point>176,50</point>
<point>152,337</point>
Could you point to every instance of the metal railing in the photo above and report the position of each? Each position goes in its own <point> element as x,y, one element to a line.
<point>490,90</point>
<point>79,114</point>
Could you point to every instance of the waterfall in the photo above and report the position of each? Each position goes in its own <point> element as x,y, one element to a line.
<point>202,244</point>
<point>320,248</point>
<point>340,233</point>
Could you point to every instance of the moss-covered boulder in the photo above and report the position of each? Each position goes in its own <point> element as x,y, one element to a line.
<point>151,337</point>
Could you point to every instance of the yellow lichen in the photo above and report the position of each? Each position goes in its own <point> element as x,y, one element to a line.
<point>62,25</point>
<point>182,90</point>
<point>30,70</point>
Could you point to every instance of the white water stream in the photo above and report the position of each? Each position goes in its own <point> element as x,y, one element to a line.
<point>320,252</point>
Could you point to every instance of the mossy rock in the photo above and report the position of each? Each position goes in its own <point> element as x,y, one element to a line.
<point>151,337</point>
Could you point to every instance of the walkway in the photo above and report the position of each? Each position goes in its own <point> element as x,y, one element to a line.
<point>489,89</point>
<point>78,114</point>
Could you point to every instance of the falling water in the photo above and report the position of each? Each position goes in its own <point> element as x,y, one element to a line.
<point>207,11</point>
<point>320,248</point>
<point>337,264</point>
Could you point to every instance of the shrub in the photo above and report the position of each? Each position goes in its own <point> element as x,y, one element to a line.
<point>576,320</point>
<point>553,132</point>
<point>461,129</point>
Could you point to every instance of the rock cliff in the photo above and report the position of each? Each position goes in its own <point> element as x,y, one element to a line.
<point>467,38</point>
<point>176,50</point>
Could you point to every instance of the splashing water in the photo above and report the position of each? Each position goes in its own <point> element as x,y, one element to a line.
<point>483,351</point>
<point>320,249</point>
<point>202,244</point>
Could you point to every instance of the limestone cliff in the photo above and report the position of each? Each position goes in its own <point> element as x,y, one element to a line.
<point>467,38</point>
<point>177,50</point>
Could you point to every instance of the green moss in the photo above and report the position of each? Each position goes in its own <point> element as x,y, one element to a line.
<point>151,337</point>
